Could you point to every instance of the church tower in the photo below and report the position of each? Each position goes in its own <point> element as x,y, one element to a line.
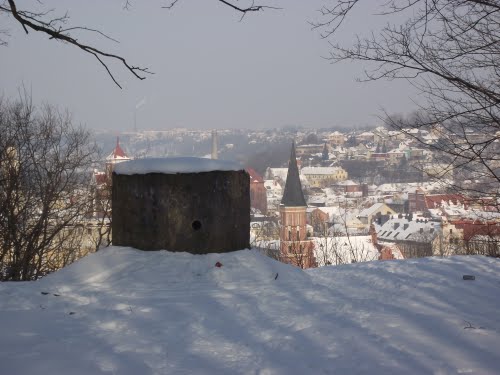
<point>295,248</point>
<point>116,156</point>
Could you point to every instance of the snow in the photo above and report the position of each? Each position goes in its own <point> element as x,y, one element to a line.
<point>344,249</point>
<point>320,170</point>
<point>273,186</point>
<point>346,183</point>
<point>123,311</point>
<point>417,229</point>
<point>331,211</point>
<point>371,210</point>
<point>280,173</point>
<point>458,210</point>
<point>175,165</point>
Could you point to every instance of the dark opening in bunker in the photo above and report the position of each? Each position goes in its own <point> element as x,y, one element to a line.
<point>196,225</point>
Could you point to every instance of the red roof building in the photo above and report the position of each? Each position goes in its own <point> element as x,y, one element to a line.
<point>118,153</point>
<point>471,228</point>
<point>435,200</point>
<point>295,247</point>
<point>258,193</point>
<point>420,201</point>
<point>116,156</point>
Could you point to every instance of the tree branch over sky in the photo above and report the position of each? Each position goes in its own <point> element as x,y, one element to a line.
<point>449,50</point>
<point>57,28</point>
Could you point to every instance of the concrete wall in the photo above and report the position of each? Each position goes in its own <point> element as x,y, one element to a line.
<point>200,213</point>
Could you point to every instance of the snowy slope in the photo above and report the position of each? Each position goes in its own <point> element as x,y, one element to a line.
<point>123,311</point>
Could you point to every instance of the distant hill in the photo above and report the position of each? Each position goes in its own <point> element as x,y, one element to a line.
<point>251,148</point>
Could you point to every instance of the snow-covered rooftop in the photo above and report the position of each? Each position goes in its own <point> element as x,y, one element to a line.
<point>412,186</point>
<point>316,199</point>
<point>371,210</point>
<point>320,170</point>
<point>459,211</point>
<point>272,185</point>
<point>278,172</point>
<point>331,211</point>
<point>175,165</point>
<point>346,183</point>
<point>417,229</point>
<point>364,134</point>
<point>117,155</point>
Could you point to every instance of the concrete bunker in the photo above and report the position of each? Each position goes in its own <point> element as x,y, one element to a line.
<point>181,204</point>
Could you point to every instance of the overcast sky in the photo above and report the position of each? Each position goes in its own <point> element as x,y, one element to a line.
<point>211,71</point>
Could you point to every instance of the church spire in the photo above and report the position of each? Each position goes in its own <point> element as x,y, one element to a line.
<point>118,151</point>
<point>293,196</point>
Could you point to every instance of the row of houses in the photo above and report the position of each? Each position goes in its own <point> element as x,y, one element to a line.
<point>401,225</point>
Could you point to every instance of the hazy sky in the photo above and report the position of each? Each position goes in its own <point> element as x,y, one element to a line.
<point>211,71</point>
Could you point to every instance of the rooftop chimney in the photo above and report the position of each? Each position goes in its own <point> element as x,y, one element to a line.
<point>214,145</point>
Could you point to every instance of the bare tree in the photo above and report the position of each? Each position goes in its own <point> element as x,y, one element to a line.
<point>265,236</point>
<point>482,238</point>
<point>488,245</point>
<point>449,50</point>
<point>335,250</point>
<point>58,28</point>
<point>337,246</point>
<point>102,211</point>
<point>298,253</point>
<point>3,37</point>
<point>44,174</point>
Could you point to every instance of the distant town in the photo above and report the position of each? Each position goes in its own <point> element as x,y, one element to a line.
<point>370,193</point>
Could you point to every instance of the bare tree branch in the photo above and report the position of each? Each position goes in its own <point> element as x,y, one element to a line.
<point>251,8</point>
<point>3,42</point>
<point>55,29</point>
<point>449,50</point>
<point>170,5</point>
<point>33,21</point>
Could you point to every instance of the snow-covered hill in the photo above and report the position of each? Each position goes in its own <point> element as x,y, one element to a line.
<point>123,311</point>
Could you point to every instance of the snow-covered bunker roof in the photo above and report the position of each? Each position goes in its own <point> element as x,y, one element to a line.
<point>175,165</point>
